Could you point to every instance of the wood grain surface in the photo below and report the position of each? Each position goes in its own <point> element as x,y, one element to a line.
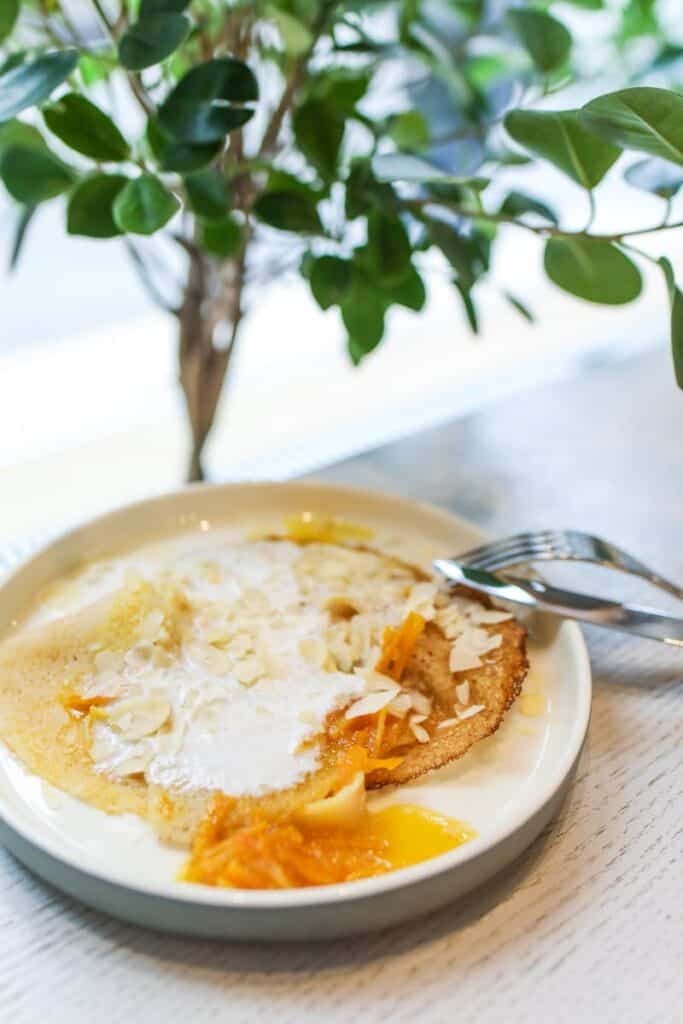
<point>586,926</point>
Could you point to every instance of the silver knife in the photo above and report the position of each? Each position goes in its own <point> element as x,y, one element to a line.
<point>627,618</point>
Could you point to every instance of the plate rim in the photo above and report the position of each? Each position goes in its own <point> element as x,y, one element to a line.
<point>184,894</point>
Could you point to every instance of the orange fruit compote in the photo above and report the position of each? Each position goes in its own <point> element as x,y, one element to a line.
<point>316,848</point>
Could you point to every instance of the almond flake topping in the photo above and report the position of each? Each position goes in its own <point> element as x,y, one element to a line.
<point>370,704</point>
<point>471,711</point>
<point>462,692</point>
<point>417,729</point>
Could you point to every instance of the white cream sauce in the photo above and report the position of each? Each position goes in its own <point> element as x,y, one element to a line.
<point>249,609</point>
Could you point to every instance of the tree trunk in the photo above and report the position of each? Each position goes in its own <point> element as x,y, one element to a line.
<point>211,302</point>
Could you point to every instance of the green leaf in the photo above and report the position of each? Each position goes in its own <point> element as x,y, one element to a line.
<point>283,181</point>
<point>90,206</point>
<point>645,119</point>
<point>468,306</point>
<point>592,269</point>
<point>406,167</point>
<point>32,82</point>
<point>144,206</point>
<point>34,175</point>
<point>408,291</point>
<point>638,18</point>
<point>18,133</point>
<point>516,204</point>
<point>520,306</point>
<point>319,133</point>
<point>162,7</point>
<point>199,110</point>
<point>330,280</point>
<point>181,157</point>
<point>364,192</point>
<point>9,12</point>
<point>208,193</point>
<point>222,238</point>
<point>84,127</point>
<point>13,60</point>
<point>654,175</point>
<point>545,39</point>
<point>676,301</point>
<point>561,138</point>
<point>152,39</point>
<point>356,351</point>
<point>588,5</point>
<point>388,246</point>
<point>289,211</point>
<point>340,89</point>
<point>26,214</point>
<point>409,130</point>
<point>96,69</point>
<point>363,315</point>
<point>296,37</point>
<point>467,254</point>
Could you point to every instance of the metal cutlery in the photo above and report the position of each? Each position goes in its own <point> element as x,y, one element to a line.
<point>561,545</point>
<point>533,593</point>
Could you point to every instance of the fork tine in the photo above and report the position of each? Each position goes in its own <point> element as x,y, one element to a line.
<point>563,545</point>
<point>494,562</point>
<point>520,548</point>
<point>496,546</point>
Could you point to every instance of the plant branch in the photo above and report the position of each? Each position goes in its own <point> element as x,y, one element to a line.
<point>147,280</point>
<point>272,132</point>
<point>102,14</point>
<point>640,252</point>
<point>294,81</point>
<point>136,86</point>
<point>544,230</point>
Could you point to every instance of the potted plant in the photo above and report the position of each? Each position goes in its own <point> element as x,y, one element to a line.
<point>343,139</point>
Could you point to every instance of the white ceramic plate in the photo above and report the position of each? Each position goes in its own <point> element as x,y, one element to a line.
<point>507,788</point>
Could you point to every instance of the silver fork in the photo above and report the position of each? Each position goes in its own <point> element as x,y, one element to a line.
<point>561,545</point>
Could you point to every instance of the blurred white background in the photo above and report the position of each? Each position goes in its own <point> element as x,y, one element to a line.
<point>91,414</point>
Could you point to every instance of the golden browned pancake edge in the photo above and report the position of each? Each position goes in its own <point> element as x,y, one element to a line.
<point>33,723</point>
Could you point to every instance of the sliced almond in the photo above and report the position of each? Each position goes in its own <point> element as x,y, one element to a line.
<point>462,692</point>
<point>417,729</point>
<point>470,712</point>
<point>133,765</point>
<point>400,705</point>
<point>137,716</point>
<point>314,650</point>
<point>420,702</point>
<point>249,670</point>
<point>370,704</point>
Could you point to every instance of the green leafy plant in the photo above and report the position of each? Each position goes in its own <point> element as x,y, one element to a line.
<point>263,137</point>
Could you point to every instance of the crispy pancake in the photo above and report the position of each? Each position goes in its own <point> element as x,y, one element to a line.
<point>35,669</point>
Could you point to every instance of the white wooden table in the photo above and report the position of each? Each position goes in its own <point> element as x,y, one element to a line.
<point>587,925</point>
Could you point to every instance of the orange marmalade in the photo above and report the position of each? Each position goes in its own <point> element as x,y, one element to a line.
<point>290,854</point>
<point>333,840</point>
